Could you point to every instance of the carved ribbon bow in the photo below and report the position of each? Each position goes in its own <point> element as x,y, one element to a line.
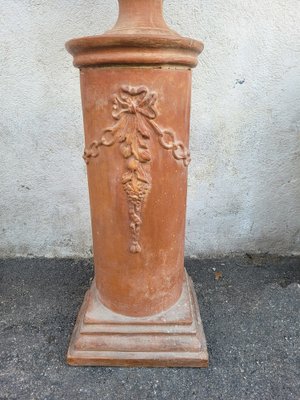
<point>134,109</point>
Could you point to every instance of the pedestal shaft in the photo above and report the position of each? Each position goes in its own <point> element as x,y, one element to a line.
<point>147,279</point>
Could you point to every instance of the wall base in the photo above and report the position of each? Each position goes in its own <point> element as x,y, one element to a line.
<point>174,338</point>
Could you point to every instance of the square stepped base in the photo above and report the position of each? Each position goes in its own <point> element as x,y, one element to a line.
<point>173,338</point>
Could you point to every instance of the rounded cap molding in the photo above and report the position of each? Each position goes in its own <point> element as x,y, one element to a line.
<point>140,37</point>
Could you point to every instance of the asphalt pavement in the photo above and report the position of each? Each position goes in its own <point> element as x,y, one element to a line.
<point>250,312</point>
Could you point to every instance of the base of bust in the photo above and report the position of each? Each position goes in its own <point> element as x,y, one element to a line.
<point>174,338</point>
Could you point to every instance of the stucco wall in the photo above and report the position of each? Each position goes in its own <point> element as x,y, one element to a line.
<point>244,177</point>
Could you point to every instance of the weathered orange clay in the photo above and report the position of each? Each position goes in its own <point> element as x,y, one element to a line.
<point>136,87</point>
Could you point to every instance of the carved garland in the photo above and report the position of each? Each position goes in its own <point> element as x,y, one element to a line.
<point>134,110</point>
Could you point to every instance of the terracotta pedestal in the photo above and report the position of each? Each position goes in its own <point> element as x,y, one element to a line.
<point>136,84</point>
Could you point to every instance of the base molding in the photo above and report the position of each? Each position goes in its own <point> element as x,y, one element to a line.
<point>174,338</point>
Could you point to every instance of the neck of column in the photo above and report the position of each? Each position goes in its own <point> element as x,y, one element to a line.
<point>141,16</point>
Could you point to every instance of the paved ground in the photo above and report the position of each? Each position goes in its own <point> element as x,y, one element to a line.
<point>250,316</point>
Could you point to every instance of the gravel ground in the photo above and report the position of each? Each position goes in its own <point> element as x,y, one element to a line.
<point>250,311</point>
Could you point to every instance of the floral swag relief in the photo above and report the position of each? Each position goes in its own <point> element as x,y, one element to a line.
<point>134,110</point>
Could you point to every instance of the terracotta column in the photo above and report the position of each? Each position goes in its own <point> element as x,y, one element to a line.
<point>136,86</point>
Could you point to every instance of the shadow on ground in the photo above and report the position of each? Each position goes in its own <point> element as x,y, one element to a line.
<point>250,311</point>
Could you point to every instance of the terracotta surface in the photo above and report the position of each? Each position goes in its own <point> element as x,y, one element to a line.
<point>173,338</point>
<point>136,87</point>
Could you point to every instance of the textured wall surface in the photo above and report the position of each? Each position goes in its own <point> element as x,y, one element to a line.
<point>244,176</point>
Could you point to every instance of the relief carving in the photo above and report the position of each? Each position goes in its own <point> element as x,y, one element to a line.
<point>134,112</point>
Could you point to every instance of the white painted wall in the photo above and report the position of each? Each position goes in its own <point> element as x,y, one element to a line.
<point>244,179</point>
